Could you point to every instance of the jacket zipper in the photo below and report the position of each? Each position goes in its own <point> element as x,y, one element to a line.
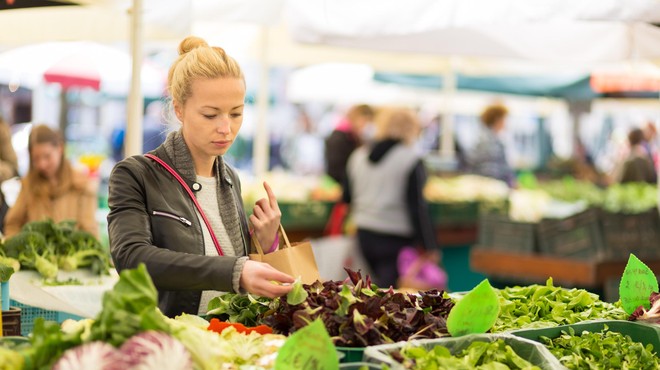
<point>183,220</point>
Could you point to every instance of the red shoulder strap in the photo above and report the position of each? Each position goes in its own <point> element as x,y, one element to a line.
<point>192,196</point>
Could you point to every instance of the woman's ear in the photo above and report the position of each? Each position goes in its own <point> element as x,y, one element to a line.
<point>178,110</point>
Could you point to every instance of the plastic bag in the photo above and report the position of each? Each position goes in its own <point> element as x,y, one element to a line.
<point>420,271</point>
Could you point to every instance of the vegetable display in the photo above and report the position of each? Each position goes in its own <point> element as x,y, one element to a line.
<point>601,350</point>
<point>360,314</point>
<point>537,306</point>
<point>47,246</point>
<point>478,355</point>
<point>132,333</point>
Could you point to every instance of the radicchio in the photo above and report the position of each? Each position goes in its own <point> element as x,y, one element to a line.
<point>91,356</point>
<point>652,315</point>
<point>152,350</point>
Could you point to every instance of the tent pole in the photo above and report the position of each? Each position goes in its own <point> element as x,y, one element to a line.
<point>261,148</point>
<point>135,108</point>
<point>447,131</point>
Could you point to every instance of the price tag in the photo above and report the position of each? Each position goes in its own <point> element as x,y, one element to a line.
<point>475,313</point>
<point>637,284</point>
<point>308,348</point>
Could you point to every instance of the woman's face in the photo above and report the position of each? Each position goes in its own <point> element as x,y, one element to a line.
<point>212,115</point>
<point>46,159</point>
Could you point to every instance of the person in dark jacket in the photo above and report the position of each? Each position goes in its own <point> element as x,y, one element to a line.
<point>638,167</point>
<point>191,253</point>
<point>346,137</point>
<point>384,188</point>
<point>489,156</point>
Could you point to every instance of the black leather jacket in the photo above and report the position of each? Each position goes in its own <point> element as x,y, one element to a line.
<point>152,220</point>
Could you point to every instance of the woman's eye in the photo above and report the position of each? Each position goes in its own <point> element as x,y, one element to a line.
<point>209,116</point>
<point>236,115</point>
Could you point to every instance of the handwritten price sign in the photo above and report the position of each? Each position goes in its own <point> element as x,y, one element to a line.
<point>637,284</point>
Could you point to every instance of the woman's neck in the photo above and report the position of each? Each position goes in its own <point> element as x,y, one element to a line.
<point>204,166</point>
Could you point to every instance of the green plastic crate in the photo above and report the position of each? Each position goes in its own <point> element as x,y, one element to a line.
<point>579,236</point>
<point>454,214</point>
<point>308,215</point>
<point>351,354</point>
<point>638,332</point>
<point>31,313</point>
<point>530,350</point>
<point>359,366</point>
<point>501,233</point>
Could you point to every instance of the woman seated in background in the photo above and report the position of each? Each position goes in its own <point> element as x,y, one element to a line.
<point>52,188</point>
<point>384,188</point>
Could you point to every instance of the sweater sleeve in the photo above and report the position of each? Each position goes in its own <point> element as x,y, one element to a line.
<point>418,208</point>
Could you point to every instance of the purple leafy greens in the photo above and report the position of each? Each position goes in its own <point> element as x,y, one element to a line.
<point>358,314</point>
<point>652,315</point>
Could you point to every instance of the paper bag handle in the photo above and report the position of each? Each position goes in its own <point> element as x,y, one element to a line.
<point>286,241</point>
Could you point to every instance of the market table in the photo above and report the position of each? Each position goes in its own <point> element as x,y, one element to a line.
<point>82,300</point>
<point>533,268</point>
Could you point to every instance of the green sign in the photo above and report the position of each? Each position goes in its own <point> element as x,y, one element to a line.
<point>475,313</point>
<point>637,284</point>
<point>308,348</point>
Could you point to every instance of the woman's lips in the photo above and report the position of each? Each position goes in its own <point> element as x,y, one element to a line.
<point>222,143</point>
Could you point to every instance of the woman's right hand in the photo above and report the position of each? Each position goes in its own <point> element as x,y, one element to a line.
<point>258,278</point>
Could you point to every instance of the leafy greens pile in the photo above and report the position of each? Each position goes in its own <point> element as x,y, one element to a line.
<point>239,308</point>
<point>129,308</point>
<point>478,355</point>
<point>47,246</point>
<point>360,314</point>
<point>602,350</point>
<point>631,198</point>
<point>537,306</point>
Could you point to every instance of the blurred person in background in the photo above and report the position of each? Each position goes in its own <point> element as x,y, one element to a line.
<point>52,188</point>
<point>8,160</point>
<point>8,166</point>
<point>154,131</point>
<point>650,142</point>
<point>638,166</point>
<point>384,187</point>
<point>345,138</point>
<point>488,157</point>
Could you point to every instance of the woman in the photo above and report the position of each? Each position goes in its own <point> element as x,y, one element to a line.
<point>52,188</point>
<point>489,157</point>
<point>384,189</point>
<point>155,221</point>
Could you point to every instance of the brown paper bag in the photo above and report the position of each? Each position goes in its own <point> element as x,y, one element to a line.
<point>295,259</point>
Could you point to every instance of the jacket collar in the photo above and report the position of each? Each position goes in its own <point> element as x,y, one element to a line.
<point>178,155</point>
<point>177,150</point>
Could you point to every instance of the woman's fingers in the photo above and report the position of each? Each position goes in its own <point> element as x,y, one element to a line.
<point>271,196</point>
<point>258,277</point>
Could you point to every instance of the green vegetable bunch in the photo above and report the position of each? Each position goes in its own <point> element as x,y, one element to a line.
<point>46,246</point>
<point>538,306</point>
<point>602,350</point>
<point>32,252</point>
<point>570,190</point>
<point>241,308</point>
<point>631,198</point>
<point>478,355</point>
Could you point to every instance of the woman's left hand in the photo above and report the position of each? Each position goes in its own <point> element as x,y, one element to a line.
<point>265,219</point>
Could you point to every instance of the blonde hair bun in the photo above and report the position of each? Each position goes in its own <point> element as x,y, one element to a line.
<point>190,43</point>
